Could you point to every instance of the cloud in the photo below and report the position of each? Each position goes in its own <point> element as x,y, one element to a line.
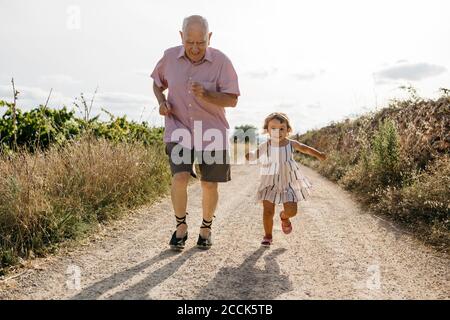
<point>304,76</point>
<point>32,97</point>
<point>118,103</point>
<point>261,74</point>
<point>58,79</point>
<point>6,92</point>
<point>122,98</point>
<point>314,106</point>
<point>133,106</point>
<point>408,71</point>
<point>285,105</point>
<point>5,78</point>
<point>308,75</point>
<point>379,81</point>
<point>297,106</point>
<point>142,72</point>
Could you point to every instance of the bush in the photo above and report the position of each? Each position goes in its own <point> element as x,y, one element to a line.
<point>61,175</point>
<point>41,127</point>
<point>48,196</point>
<point>386,155</point>
<point>423,205</point>
<point>395,160</point>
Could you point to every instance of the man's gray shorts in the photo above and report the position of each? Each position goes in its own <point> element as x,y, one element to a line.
<point>214,165</point>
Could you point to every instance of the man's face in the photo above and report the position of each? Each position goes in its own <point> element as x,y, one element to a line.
<point>195,41</point>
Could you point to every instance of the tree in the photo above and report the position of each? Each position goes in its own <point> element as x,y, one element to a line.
<point>245,133</point>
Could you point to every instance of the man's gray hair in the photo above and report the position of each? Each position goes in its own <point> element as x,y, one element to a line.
<point>196,19</point>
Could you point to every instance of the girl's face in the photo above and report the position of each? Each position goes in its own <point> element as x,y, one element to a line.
<point>277,130</point>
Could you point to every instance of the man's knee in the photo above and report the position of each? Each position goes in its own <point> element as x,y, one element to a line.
<point>181,178</point>
<point>210,186</point>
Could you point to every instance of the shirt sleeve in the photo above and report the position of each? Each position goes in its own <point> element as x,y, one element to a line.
<point>158,73</point>
<point>228,79</point>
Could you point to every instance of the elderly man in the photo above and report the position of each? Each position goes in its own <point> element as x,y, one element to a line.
<point>201,83</point>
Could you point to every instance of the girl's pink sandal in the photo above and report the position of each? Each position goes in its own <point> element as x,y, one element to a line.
<point>287,228</point>
<point>266,241</point>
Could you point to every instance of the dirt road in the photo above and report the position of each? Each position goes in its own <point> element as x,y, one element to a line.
<point>336,251</point>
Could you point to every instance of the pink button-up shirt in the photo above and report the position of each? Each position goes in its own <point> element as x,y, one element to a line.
<point>194,123</point>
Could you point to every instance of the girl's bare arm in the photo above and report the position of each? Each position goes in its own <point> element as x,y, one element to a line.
<point>254,155</point>
<point>303,148</point>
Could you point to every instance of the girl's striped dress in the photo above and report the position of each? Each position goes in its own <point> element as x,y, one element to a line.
<point>281,178</point>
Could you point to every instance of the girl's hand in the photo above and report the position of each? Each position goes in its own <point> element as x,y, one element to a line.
<point>322,156</point>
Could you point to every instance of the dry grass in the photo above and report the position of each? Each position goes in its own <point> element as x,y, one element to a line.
<point>61,193</point>
<point>396,161</point>
<point>423,205</point>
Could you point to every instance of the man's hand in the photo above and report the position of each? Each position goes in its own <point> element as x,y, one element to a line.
<point>164,108</point>
<point>220,99</point>
<point>198,90</point>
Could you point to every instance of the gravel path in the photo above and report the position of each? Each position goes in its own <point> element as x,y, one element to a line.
<point>336,251</point>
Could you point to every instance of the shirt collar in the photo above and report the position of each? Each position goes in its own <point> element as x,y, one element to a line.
<point>208,54</point>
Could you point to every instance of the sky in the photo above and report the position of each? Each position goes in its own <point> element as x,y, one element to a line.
<point>318,61</point>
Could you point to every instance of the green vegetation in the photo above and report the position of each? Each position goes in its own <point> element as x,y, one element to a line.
<point>61,175</point>
<point>396,161</point>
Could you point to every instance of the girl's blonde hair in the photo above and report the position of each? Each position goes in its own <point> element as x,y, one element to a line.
<point>280,116</point>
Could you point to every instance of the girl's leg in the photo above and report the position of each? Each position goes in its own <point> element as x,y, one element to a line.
<point>268,213</point>
<point>290,210</point>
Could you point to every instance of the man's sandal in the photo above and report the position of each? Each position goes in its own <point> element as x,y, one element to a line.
<point>203,243</point>
<point>286,225</point>
<point>178,243</point>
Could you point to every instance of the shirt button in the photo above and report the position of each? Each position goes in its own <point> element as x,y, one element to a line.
<point>190,105</point>
<point>189,92</point>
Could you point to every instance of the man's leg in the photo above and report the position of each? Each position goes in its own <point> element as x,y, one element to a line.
<point>215,169</point>
<point>179,198</point>
<point>209,203</point>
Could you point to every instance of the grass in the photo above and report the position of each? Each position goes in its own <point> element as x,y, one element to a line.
<point>396,161</point>
<point>61,193</point>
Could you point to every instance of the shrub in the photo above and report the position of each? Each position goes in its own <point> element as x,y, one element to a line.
<point>395,160</point>
<point>48,196</point>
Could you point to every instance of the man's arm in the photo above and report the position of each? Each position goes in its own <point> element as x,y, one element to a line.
<point>159,93</point>
<point>164,107</point>
<point>220,99</point>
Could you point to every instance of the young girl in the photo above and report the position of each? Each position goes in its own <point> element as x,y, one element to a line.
<point>281,179</point>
